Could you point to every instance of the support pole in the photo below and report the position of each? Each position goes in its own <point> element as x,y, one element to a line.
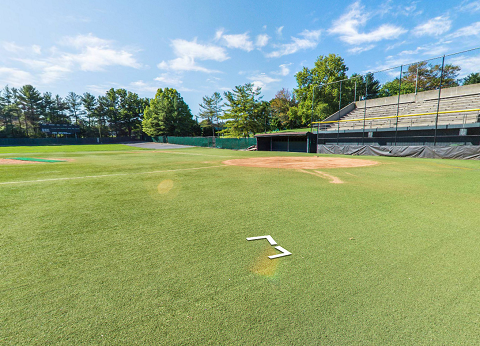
<point>416,81</point>
<point>339,109</point>
<point>398,102</point>
<point>313,102</point>
<point>438,103</point>
<point>365,109</point>
<point>355,96</point>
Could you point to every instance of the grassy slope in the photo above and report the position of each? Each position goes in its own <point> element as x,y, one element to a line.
<point>113,261</point>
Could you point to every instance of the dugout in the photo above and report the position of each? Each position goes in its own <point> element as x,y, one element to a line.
<point>299,142</point>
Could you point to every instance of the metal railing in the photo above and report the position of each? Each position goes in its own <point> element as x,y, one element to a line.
<point>408,98</point>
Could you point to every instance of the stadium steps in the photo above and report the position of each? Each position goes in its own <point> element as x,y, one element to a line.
<point>451,103</point>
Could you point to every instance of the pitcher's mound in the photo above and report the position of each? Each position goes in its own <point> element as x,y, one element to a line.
<point>300,162</point>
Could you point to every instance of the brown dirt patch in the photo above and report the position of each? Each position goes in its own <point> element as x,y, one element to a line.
<point>333,179</point>
<point>300,162</point>
<point>15,162</point>
<point>20,162</point>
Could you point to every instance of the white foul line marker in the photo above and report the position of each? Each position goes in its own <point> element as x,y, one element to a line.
<point>284,252</point>
<point>269,238</point>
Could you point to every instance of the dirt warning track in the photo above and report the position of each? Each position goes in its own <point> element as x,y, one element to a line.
<point>300,162</point>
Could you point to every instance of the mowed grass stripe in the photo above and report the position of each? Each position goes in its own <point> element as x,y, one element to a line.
<point>106,175</point>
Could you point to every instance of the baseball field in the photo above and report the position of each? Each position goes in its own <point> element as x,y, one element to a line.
<point>114,245</point>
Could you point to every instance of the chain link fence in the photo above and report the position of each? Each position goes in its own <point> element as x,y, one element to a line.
<point>430,102</point>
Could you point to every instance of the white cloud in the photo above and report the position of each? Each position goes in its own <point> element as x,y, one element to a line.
<point>15,77</point>
<point>262,80</point>
<point>90,53</point>
<point>188,51</point>
<point>395,45</point>
<point>240,41</point>
<point>408,57</point>
<point>471,30</point>
<point>358,50</point>
<point>434,27</point>
<point>195,50</point>
<point>309,39</point>
<point>12,47</point>
<point>82,41</point>
<point>349,24</point>
<point>172,80</point>
<point>279,30</point>
<point>284,70</point>
<point>141,86</point>
<point>219,33</point>
<point>53,73</point>
<point>408,10</point>
<point>469,64</point>
<point>98,89</point>
<point>473,6</point>
<point>262,40</point>
<point>37,49</point>
<point>96,58</point>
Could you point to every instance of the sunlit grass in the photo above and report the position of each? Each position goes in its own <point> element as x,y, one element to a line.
<point>150,251</point>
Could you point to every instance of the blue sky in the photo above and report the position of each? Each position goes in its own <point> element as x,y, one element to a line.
<point>199,47</point>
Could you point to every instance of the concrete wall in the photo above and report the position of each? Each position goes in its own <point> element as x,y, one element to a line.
<point>421,96</point>
<point>341,112</point>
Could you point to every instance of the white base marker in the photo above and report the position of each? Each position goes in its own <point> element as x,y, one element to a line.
<point>284,252</point>
<point>269,238</point>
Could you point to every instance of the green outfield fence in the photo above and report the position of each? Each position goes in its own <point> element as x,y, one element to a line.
<point>222,143</point>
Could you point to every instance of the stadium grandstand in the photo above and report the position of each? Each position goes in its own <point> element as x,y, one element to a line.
<point>421,119</point>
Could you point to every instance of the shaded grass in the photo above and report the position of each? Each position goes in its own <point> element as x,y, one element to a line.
<point>386,258</point>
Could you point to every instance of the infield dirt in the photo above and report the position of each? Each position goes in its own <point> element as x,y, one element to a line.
<point>300,162</point>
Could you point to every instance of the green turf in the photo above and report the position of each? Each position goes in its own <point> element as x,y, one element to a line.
<point>137,248</point>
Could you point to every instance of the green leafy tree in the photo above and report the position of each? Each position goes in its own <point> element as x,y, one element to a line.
<point>58,111</point>
<point>242,117</point>
<point>327,69</point>
<point>110,108</point>
<point>167,114</point>
<point>8,109</point>
<point>74,103</point>
<point>89,103</point>
<point>280,106</point>
<point>364,84</point>
<point>131,108</point>
<point>210,109</point>
<point>46,107</point>
<point>429,75</point>
<point>29,100</point>
<point>391,88</point>
<point>472,78</point>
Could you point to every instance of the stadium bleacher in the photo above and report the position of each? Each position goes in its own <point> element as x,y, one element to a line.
<point>456,101</point>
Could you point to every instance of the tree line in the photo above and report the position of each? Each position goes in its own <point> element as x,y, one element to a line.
<point>320,92</point>
<point>117,113</point>
<point>241,112</point>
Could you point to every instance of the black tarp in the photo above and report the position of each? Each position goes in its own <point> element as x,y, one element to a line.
<point>470,152</point>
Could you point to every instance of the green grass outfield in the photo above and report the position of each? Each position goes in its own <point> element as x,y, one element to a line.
<point>148,248</point>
